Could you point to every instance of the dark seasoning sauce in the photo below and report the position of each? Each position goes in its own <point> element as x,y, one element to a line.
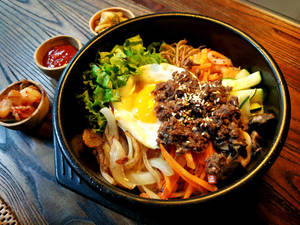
<point>59,55</point>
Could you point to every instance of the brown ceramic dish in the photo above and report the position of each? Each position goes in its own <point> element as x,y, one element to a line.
<point>171,27</point>
<point>96,17</point>
<point>44,48</point>
<point>37,116</point>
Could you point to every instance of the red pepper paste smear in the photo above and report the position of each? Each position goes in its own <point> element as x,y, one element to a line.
<point>59,55</point>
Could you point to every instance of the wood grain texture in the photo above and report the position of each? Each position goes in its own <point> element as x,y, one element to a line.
<point>27,179</point>
<point>280,198</point>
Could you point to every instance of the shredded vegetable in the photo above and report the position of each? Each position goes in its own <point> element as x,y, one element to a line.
<point>184,174</point>
<point>167,170</point>
<point>206,64</point>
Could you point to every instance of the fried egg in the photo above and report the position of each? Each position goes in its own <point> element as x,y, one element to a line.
<point>135,112</point>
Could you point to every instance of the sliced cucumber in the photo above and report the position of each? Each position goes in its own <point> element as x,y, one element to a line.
<point>244,101</point>
<point>243,83</point>
<point>242,73</point>
<point>227,82</point>
<point>245,109</point>
<point>255,107</point>
<point>243,94</point>
<point>258,97</point>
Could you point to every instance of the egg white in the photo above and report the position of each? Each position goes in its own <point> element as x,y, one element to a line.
<point>145,133</point>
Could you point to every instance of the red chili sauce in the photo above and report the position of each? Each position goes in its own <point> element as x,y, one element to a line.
<point>59,55</point>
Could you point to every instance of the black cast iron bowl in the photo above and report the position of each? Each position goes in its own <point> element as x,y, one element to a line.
<point>171,27</point>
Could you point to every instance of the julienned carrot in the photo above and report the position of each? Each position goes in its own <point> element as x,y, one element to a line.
<point>195,181</point>
<point>205,76</point>
<point>177,194</point>
<point>144,195</point>
<point>170,186</point>
<point>214,76</point>
<point>189,191</point>
<point>180,159</point>
<point>202,174</point>
<point>197,69</point>
<point>190,160</point>
<point>210,150</point>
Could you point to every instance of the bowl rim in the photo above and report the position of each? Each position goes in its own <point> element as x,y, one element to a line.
<point>49,40</point>
<point>110,190</point>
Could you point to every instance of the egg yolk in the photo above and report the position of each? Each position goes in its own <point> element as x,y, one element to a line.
<point>144,104</point>
<point>141,103</point>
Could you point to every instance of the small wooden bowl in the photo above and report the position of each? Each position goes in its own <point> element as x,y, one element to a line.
<point>48,44</point>
<point>96,17</point>
<point>37,116</point>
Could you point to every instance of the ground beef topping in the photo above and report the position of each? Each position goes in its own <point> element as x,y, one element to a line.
<point>192,113</point>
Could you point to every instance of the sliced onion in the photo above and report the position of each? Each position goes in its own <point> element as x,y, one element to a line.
<point>123,141</point>
<point>103,161</point>
<point>162,165</point>
<point>130,147</point>
<point>106,149</point>
<point>141,178</point>
<point>147,164</point>
<point>111,128</point>
<point>117,152</point>
<point>107,177</point>
<point>136,155</point>
<point>150,193</point>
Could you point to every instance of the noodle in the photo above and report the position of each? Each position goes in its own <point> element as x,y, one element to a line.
<point>179,53</point>
<point>206,64</point>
